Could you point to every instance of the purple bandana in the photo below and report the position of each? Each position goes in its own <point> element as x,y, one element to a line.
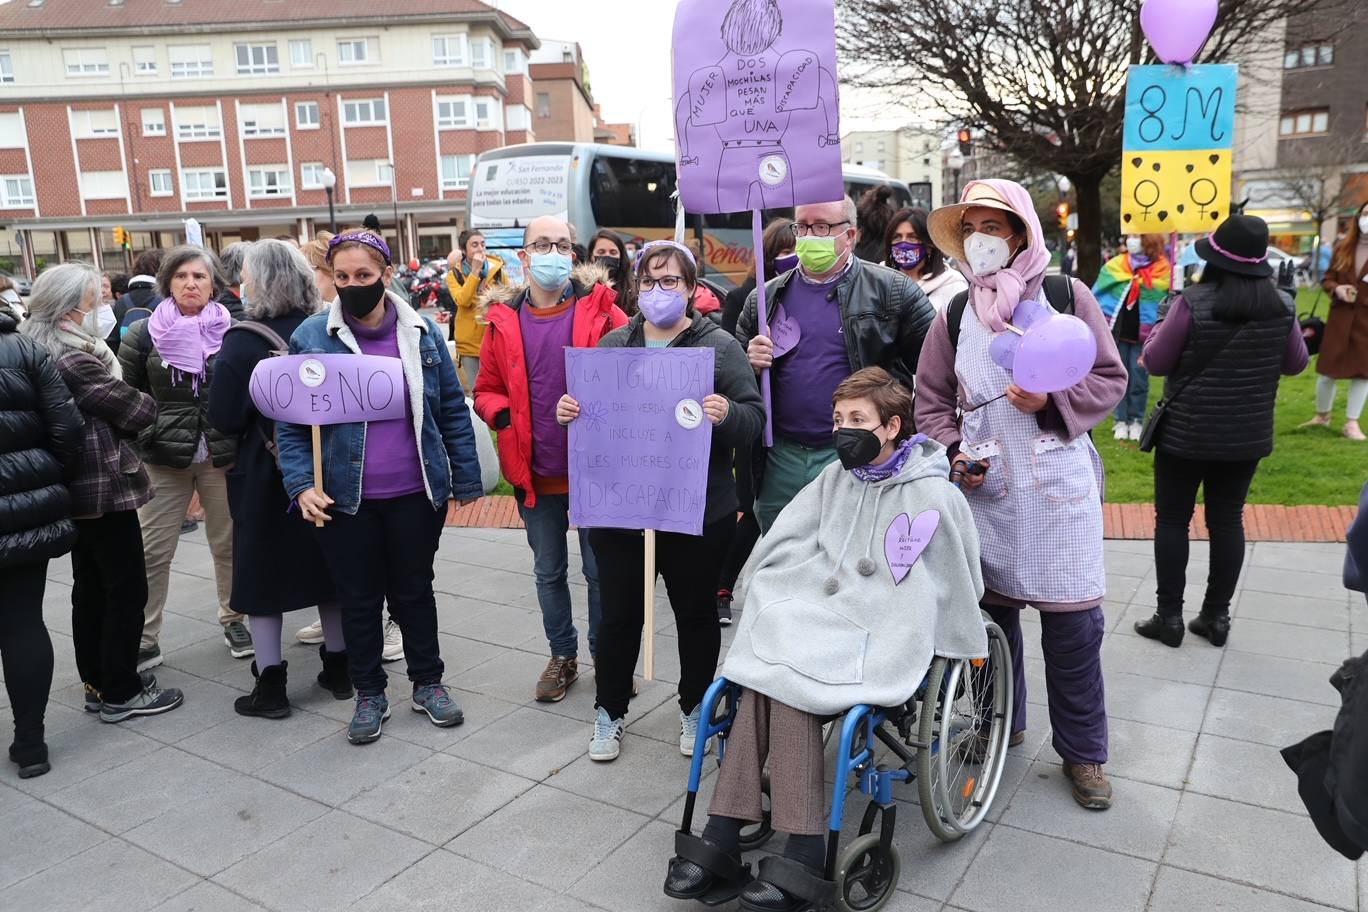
<point>372,241</point>
<point>893,465</point>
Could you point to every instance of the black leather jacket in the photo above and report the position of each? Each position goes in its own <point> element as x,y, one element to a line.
<point>884,316</point>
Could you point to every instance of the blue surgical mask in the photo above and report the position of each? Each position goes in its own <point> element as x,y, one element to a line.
<point>550,270</point>
<point>661,308</point>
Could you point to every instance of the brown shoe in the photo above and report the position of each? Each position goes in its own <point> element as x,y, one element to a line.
<point>1091,788</point>
<point>1017,739</point>
<point>560,673</point>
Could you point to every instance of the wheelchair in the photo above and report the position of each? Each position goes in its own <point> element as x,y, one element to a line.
<point>950,737</point>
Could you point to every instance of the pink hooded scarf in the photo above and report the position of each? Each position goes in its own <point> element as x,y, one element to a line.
<point>997,296</point>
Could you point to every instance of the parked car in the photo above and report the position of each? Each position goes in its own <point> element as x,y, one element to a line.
<point>24,286</point>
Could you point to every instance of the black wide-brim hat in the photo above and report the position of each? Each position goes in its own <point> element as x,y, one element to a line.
<point>1239,245</point>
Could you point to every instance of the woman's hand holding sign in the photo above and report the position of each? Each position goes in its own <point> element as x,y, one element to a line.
<point>567,410</point>
<point>313,505</point>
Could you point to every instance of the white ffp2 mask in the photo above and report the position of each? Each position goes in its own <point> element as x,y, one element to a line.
<point>986,254</point>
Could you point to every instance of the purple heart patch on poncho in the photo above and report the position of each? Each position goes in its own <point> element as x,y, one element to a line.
<point>906,540</point>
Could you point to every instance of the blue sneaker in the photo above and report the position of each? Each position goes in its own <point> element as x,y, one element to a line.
<point>607,740</point>
<point>435,700</point>
<point>371,712</point>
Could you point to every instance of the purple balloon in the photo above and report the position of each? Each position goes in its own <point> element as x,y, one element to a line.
<point>1177,29</point>
<point>1003,349</point>
<point>1030,312</point>
<point>1055,355</point>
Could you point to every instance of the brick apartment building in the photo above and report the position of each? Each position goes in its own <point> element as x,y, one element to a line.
<point>141,112</point>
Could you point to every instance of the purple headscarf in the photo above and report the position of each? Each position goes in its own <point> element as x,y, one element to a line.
<point>373,241</point>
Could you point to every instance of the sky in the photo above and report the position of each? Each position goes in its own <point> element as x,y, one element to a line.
<point>627,48</point>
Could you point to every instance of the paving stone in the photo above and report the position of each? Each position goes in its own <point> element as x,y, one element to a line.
<point>438,798</point>
<point>1251,604</point>
<point>334,771</point>
<point>38,836</point>
<point>208,897</point>
<point>1280,556</point>
<point>497,624</point>
<point>1275,676</point>
<point>1137,655</point>
<point>1097,881</point>
<point>1267,720</point>
<point>86,749</point>
<point>1244,771</point>
<point>636,872</point>
<point>1145,753</point>
<point>514,838</point>
<point>527,743</point>
<point>639,779</point>
<point>247,744</point>
<point>1294,582</point>
<point>480,711</point>
<point>207,704</point>
<point>1155,701</point>
<point>1177,890</point>
<point>509,674</point>
<point>147,787</point>
<point>110,877</point>
<point>444,881</point>
<point>929,867</point>
<point>1267,848</point>
<point>323,866</point>
<point>1311,644</point>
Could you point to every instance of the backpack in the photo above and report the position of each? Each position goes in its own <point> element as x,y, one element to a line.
<point>1059,291</point>
<point>277,347</point>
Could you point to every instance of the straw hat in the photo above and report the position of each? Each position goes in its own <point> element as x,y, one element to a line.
<point>944,224</point>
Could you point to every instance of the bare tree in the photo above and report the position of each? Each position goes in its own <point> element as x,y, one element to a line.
<point>1318,189</point>
<point>1044,79</point>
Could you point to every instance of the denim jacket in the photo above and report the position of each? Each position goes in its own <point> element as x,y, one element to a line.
<point>441,419</point>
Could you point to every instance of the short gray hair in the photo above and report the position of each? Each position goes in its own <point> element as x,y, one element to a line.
<point>849,212</point>
<point>177,257</point>
<point>282,281</point>
<point>231,259</point>
<point>58,291</point>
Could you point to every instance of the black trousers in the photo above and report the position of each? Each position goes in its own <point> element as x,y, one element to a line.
<point>1225,486</point>
<point>688,564</point>
<point>25,648</point>
<point>740,543</point>
<point>384,553</point>
<point>108,596</point>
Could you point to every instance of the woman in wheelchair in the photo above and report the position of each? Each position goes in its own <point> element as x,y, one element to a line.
<point>867,574</point>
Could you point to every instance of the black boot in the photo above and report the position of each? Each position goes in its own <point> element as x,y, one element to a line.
<point>32,759</point>
<point>1215,627</point>
<point>334,677</point>
<point>1166,628</point>
<point>267,699</point>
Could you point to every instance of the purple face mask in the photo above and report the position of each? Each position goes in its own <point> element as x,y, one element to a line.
<point>908,254</point>
<point>785,263</point>
<point>661,308</point>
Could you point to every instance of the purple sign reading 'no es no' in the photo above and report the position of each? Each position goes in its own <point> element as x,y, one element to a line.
<point>639,448</point>
<point>757,118</point>
<point>329,389</point>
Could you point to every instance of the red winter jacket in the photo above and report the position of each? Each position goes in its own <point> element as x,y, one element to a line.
<point>502,383</point>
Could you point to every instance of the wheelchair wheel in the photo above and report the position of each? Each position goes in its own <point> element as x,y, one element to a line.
<point>753,837</point>
<point>965,721</point>
<point>866,877</point>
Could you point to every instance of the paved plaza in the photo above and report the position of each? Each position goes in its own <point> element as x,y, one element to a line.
<point>204,810</point>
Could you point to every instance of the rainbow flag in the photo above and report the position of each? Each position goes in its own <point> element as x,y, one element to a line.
<point>1113,287</point>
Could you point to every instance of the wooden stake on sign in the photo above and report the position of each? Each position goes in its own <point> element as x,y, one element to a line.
<point>318,465</point>
<point>648,655</point>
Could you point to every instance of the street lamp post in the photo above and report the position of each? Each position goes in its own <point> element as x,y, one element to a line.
<point>329,182</point>
<point>394,201</point>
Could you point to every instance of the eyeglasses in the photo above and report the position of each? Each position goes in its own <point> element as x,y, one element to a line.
<point>546,246</point>
<point>667,282</point>
<point>816,229</point>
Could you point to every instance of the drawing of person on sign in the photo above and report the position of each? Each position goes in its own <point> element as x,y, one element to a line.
<point>754,112</point>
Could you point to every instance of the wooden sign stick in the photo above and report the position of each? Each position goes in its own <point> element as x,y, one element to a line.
<point>648,656</point>
<point>318,464</point>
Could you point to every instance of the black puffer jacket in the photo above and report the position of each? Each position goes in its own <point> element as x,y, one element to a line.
<point>182,408</point>
<point>40,428</point>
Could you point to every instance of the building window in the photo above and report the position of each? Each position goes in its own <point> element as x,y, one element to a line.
<point>190,61</point>
<point>452,113</point>
<point>481,53</point>
<point>257,59</point>
<point>518,117</point>
<point>306,115</point>
<point>272,180</point>
<point>515,62</point>
<point>456,171</point>
<point>881,145</point>
<point>153,122</point>
<point>262,120</point>
<point>198,123</point>
<point>487,114</point>
<point>352,51</point>
<point>91,124</point>
<point>103,185</point>
<point>543,105</point>
<point>1309,55</point>
<point>449,50</point>
<point>145,60</point>
<point>12,132</point>
<point>206,185</point>
<point>368,172</point>
<point>161,183</point>
<point>86,61</point>
<point>16,191</point>
<point>301,53</point>
<point>1311,122</point>
<point>859,148</point>
<point>361,113</point>
<point>6,67</point>
<point>311,175</point>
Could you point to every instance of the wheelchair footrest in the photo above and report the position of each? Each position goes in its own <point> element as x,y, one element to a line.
<point>731,875</point>
<point>797,880</point>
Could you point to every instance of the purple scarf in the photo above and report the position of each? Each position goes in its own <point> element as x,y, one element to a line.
<point>187,343</point>
<point>893,464</point>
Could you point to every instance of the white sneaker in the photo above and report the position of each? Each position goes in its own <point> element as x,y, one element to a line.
<point>1136,429</point>
<point>606,743</point>
<point>688,732</point>
<point>394,642</point>
<point>311,635</point>
<point>1121,430</point>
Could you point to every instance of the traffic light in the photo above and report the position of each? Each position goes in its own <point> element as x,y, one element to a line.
<point>122,237</point>
<point>966,142</point>
<point>1062,210</point>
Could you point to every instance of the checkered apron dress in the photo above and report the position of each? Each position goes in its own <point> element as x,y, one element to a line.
<point>1039,509</point>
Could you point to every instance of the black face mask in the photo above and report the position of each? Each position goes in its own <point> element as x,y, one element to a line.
<point>359,300</point>
<point>610,263</point>
<point>856,447</point>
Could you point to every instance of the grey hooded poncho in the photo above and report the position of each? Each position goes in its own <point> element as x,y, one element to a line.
<point>827,625</point>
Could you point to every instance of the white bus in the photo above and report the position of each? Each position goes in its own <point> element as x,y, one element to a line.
<point>625,190</point>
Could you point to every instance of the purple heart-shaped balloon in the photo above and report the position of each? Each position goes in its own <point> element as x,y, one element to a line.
<point>906,539</point>
<point>1003,349</point>
<point>1030,312</point>
<point>1055,355</point>
<point>1177,29</point>
<point>784,333</point>
<point>1004,346</point>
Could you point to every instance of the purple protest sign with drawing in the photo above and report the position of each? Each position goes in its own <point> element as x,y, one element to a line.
<point>757,119</point>
<point>329,389</point>
<point>639,448</point>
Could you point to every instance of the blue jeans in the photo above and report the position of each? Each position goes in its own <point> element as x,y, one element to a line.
<point>546,525</point>
<point>1132,405</point>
